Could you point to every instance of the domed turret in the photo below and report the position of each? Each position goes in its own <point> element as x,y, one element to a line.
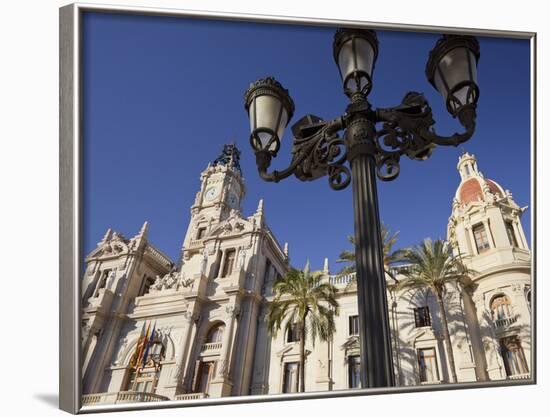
<point>486,232</point>
<point>474,187</point>
<point>485,218</point>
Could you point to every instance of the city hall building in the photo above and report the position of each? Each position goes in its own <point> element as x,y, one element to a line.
<point>204,316</point>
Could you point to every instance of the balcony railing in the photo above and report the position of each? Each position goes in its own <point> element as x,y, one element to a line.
<point>501,324</point>
<point>121,397</point>
<point>520,376</point>
<point>341,279</point>
<point>195,244</point>
<point>207,347</point>
<point>192,396</point>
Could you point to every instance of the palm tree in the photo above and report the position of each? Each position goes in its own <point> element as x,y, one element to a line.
<point>433,266</point>
<point>388,239</point>
<point>302,300</point>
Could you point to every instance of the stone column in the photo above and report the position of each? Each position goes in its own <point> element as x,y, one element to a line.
<point>494,364</point>
<point>185,377</point>
<point>472,240</point>
<point>520,236</point>
<point>221,385</point>
<point>261,356</point>
<point>183,347</point>
<point>489,234</point>
<point>225,356</point>
<point>92,341</point>
<point>222,261</point>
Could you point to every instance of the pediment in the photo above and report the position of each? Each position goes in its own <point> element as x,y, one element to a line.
<point>423,334</point>
<point>232,226</point>
<point>351,343</point>
<point>114,247</point>
<point>291,349</point>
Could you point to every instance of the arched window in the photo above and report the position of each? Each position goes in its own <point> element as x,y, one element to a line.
<point>513,356</point>
<point>215,334</point>
<point>500,307</point>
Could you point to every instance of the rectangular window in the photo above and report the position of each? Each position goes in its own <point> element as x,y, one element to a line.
<point>293,335</point>
<point>142,380</point>
<point>427,365</point>
<point>206,370</point>
<point>229,261</point>
<point>480,236</point>
<point>146,286</point>
<point>353,325</point>
<point>102,282</point>
<point>422,317</point>
<point>290,377</point>
<point>201,232</point>
<point>267,271</point>
<point>354,371</point>
<point>511,234</point>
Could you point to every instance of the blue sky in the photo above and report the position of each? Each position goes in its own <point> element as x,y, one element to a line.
<point>162,95</point>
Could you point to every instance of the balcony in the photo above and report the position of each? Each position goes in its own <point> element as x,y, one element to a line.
<point>341,279</point>
<point>192,396</point>
<point>195,244</point>
<point>121,397</point>
<point>519,376</point>
<point>505,323</point>
<point>213,347</point>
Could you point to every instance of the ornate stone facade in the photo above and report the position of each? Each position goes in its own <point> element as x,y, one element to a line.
<point>208,310</point>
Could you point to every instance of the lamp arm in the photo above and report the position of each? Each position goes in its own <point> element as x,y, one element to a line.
<point>407,129</point>
<point>321,153</point>
<point>467,118</point>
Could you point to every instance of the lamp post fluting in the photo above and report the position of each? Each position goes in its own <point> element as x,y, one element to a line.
<point>372,144</point>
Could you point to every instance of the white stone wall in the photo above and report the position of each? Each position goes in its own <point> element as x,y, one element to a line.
<point>187,299</point>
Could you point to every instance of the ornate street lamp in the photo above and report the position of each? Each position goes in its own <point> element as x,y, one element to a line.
<point>373,142</point>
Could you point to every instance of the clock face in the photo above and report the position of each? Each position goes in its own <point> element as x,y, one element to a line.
<point>232,200</point>
<point>210,193</point>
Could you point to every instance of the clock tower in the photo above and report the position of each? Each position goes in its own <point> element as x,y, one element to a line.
<point>221,192</point>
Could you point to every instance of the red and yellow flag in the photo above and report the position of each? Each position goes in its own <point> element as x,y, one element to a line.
<point>144,346</point>
<point>138,352</point>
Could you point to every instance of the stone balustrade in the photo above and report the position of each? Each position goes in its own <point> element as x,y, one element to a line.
<point>341,279</point>
<point>195,244</point>
<point>121,397</point>
<point>209,347</point>
<point>501,324</point>
<point>192,396</point>
<point>520,376</point>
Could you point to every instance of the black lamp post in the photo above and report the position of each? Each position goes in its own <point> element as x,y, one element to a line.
<point>371,151</point>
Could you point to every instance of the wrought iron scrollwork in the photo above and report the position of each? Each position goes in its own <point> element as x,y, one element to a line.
<point>406,129</point>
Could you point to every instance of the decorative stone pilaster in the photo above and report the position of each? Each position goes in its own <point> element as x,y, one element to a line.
<point>489,233</point>
<point>228,337</point>
<point>183,347</point>
<point>221,384</point>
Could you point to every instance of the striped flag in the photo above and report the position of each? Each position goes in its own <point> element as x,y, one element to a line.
<point>149,343</point>
<point>142,347</point>
<point>139,347</point>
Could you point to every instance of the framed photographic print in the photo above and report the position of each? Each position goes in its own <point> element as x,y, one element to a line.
<point>257,208</point>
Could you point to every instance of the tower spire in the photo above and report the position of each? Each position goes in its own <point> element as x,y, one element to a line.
<point>144,229</point>
<point>260,209</point>
<point>229,157</point>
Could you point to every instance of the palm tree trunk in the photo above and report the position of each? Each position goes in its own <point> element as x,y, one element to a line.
<point>302,369</point>
<point>446,335</point>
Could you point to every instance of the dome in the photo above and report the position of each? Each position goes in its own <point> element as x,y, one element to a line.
<point>472,189</point>
<point>474,186</point>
